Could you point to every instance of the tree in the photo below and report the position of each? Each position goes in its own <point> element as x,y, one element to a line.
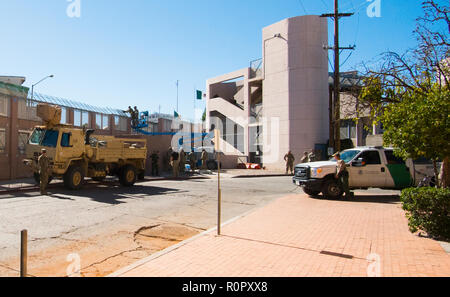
<point>409,93</point>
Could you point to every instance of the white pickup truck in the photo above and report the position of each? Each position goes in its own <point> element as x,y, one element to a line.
<point>368,167</point>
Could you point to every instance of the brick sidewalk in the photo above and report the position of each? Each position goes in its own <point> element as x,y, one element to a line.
<point>299,236</point>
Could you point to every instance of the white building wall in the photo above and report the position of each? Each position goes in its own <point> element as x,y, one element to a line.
<point>295,86</point>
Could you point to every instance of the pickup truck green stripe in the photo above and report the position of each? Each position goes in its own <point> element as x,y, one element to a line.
<point>401,175</point>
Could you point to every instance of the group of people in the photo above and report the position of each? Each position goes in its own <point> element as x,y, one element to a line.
<point>307,157</point>
<point>134,113</point>
<point>178,160</point>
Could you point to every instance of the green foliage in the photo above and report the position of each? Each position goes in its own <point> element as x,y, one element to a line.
<point>419,125</point>
<point>428,209</point>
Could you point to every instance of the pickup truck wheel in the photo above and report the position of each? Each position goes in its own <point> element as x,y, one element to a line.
<point>74,178</point>
<point>128,176</point>
<point>332,189</point>
<point>310,192</point>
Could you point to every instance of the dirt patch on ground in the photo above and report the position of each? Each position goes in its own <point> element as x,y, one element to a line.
<point>103,254</point>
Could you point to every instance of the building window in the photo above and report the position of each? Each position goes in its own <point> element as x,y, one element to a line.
<point>4,106</point>
<point>105,122</point>
<point>23,140</point>
<point>63,115</point>
<point>98,121</point>
<point>77,118</point>
<point>2,140</point>
<point>85,119</point>
<point>120,123</point>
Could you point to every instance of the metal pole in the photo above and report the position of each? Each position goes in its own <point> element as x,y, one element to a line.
<point>219,210</point>
<point>23,253</point>
<point>337,129</point>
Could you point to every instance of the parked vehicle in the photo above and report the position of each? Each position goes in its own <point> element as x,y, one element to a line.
<point>76,153</point>
<point>368,167</point>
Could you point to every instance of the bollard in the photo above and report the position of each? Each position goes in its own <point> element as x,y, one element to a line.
<point>23,253</point>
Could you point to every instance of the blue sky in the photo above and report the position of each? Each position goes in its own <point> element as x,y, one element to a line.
<point>121,53</point>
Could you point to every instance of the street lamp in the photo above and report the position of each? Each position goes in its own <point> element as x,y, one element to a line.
<point>32,87</point>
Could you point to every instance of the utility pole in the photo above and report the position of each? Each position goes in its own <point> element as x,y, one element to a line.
<point>336,92</point>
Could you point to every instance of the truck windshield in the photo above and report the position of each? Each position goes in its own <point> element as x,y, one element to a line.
<point>48,138</point>
<point>347,156</point>
<point>37,136</point>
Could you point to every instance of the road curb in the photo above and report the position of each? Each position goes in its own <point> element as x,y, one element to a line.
<point>185,242</point>
<point>262,175</point>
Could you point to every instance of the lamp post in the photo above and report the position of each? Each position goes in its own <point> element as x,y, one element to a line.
<point>32,87</point>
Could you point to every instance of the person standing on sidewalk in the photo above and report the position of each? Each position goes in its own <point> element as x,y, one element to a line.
<point>155,165</point>
<point>204,159</point>
<point>304,159</point>
<point>182,161</point>
<point>342,175</point>
<point>43,162</point>
<point>192,161</point>
<point>175,162</point>
<point>289,159</point>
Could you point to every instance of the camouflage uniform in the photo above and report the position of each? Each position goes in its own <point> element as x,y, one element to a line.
<point>43,162</point>
<point>192,161</point>
<point>305,158</point>
<point>175,162</point>
<point>290,159</point>
<point>343,176</point>
<point>182,161</point>
<point>204,160</point>
<point>155,165</point>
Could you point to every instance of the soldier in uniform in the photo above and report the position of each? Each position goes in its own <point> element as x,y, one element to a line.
<point>342,175</point>
<point>290,159</point>
<point>43,162</point>
<point>155,165</point>
<point>305,158</point>
<point>175,162</point>
<point>168,159</point>
<point>182,161</point>
<point>312,156</point>
<point>204,159</point>
<point>192,161</point>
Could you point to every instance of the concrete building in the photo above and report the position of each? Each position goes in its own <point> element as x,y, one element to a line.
<point>18,118</point>
<point>279,103</point>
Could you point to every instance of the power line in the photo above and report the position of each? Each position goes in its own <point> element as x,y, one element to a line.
<point>303,6</point>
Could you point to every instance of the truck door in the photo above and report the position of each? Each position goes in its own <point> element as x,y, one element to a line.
<point>372,172</point>
<point>399,174</point>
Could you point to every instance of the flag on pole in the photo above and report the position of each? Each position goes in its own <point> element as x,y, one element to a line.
<point>199,95</point>
<point>176,115</point>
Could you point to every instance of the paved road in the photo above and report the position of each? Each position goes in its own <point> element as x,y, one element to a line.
<point>75,217</point>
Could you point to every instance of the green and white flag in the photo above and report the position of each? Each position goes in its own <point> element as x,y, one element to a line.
<point>199,95</point>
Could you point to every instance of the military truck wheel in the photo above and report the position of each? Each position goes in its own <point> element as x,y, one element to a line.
<point>37,178</point>
<point>331,189</point>
<point>128,176</point>
<point>310,192</point>
<point>74,178</point>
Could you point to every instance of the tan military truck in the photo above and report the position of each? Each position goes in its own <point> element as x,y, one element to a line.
<point>76,153</point>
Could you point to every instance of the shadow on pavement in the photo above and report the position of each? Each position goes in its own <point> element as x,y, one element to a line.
<point>113,194</point>
<point>385,199</point>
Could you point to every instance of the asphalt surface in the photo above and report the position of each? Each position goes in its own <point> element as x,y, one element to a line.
<point>100,209</point>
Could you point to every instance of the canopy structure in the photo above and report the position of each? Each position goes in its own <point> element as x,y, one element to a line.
<point>76,105</point>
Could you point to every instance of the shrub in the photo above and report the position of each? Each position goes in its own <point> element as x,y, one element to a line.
<point>428,209</point>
